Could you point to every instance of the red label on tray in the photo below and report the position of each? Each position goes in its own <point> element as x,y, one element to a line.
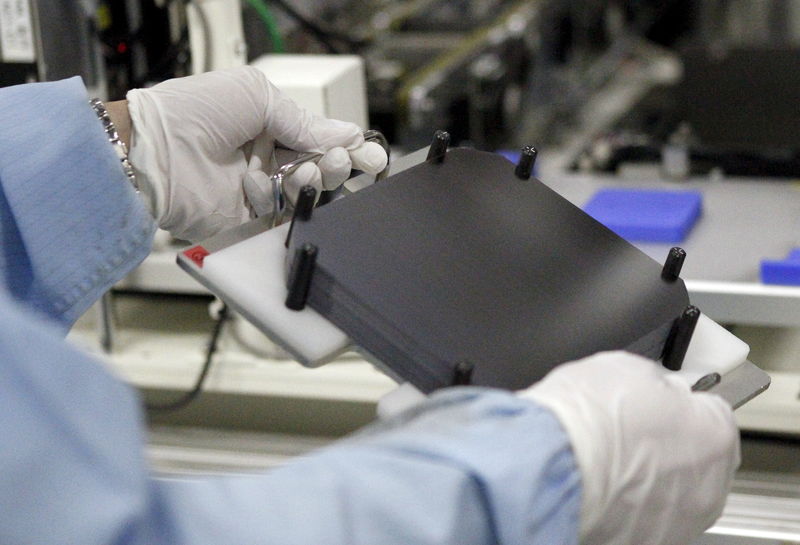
<point>196,254</point>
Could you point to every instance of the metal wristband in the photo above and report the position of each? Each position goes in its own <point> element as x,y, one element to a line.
<point>113,136</point>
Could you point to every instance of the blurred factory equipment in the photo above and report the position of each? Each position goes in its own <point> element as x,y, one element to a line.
<point>723,122</point>
<point>113,46</point>
<point>143,42</point>
<point>497,73</point>
<point>467,66</point>
<point>731,111</point>
<point>44,40</point>
<point>459,67</point>
<point>476,68</point>
<point>116,46</point>
<point>19,61</point>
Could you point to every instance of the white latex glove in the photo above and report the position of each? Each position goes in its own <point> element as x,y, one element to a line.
<point>657,460</point>
<point>202,147</point>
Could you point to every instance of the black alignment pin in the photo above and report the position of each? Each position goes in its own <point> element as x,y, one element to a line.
<point>462,373</point>
<point>679,338</point>
<point>300,276</point>
<point>438,149</point>
<point>302,209</point>
<point>527,158</point>
<point>673,264</point>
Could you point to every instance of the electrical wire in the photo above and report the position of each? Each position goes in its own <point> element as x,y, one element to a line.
<point>270,24</point>
<point>192,394</point>
<point>325,37</point>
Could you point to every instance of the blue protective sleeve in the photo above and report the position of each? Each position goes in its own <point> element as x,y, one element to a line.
<point>70,223</point>
<point>471,466</point>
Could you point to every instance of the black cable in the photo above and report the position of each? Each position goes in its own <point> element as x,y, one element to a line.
<point>325,37</point>
<point>190,396</point>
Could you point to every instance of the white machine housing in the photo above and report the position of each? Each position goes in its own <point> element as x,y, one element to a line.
<point>329,85</point>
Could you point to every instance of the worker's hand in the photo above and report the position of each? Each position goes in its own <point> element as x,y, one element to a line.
<point>657,460</point>
<point>202,149</point>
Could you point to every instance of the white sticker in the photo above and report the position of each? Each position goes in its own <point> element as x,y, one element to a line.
<point>16,32</point>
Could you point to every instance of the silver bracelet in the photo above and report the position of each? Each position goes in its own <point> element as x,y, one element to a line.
<point>113,136</point>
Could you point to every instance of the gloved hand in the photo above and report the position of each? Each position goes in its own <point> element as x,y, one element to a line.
<point>202,147</point>
<point>657,460</point>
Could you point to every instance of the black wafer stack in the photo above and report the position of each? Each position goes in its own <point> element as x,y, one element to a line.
<point>461,270</point>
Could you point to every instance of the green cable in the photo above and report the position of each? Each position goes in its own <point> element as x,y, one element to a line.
<point>269,22</point>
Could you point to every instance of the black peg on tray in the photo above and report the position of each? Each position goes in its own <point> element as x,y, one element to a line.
<point>438,149</point>
<point>462,373</point>
<point>525,164</point>
<point>303,208</point>
<point>679,338</point>
<point>300,276</point>
<point>673,264</point>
